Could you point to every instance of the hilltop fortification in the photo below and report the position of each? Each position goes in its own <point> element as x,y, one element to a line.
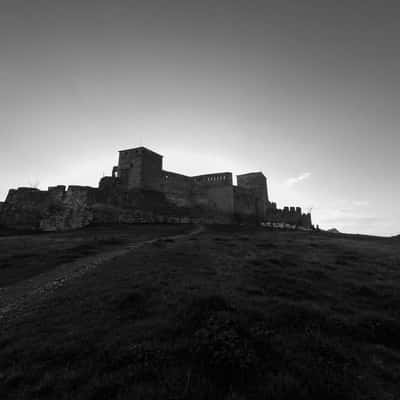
<point>139,190</point>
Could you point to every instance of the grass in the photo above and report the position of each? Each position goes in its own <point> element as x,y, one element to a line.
<point>25,255</point>
<point>234,313</point>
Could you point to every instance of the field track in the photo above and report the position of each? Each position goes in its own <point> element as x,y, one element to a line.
<point>24,296</point>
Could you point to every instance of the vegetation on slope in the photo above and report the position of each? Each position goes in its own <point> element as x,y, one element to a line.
<point>228,314</point>
<point>24,255</point>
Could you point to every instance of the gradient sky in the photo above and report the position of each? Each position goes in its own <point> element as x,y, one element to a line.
<point>306,91</point>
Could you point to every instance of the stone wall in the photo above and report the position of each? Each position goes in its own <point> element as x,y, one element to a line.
<point>71,211</point>
<point>139,191</point>
<point>289,215</point>
<point>57,193</point>
<point>109,214</point>
<point>130,169</point>
<point>140,168</point>
<point>218,179</point>
<point>152,170</point>
<point>58,209</point>
<point>257,183</point>
<point>213,192</point>
<point>202,194</point>
<point>53,209</point>
<point>244,204</point>
<point>220,199</point>
<point>23,208</point>
<point>177,188</point>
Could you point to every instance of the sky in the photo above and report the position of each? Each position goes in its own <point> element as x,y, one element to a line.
<point>306,91</point>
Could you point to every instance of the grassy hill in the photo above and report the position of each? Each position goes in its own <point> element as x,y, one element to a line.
<point>230,313</point>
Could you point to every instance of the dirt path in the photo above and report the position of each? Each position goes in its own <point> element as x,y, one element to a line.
<point>17,299</point>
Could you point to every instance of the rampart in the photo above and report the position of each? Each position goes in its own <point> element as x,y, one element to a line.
<point>177,188</point>
<point>289,215</point>
<point>219,179</point>
<point>140,191</point>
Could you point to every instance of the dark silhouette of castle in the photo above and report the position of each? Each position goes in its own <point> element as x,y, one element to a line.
<point>141,169</point>
<point>139,190</point>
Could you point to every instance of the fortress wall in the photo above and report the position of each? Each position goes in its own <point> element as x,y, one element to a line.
<point>140,168</point>
<point>134,177</point>
<point>306,221</point>
<point>125,164</point>
<point>256,182</point>
<point>56,193</point>
<point>122,216</point>
<point>80,195</point>
<point>177,188</point>
<point>10,196</point>
<point>200,196</point>
<point>208,192</point>
<point>130,168</point>
<point>244,203</point>
<point>218,179</point>
<point>23,208</point>
<point>53,209</point>
<point>26,195</point>
<point>220,198</point>
<point>123,176</point>
<point>72,211</point>
<point>141,192</point>
<point>152,171</point>
<point>125,158</point>
<point>291,216</point>
<point>59,210</point>
<point>110,192</point>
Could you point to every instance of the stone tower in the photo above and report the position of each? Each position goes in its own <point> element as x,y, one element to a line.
<point>140,168</point>
<point>257,182</point>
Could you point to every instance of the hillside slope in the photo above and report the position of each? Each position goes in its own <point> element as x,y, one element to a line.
<point>228,314</point>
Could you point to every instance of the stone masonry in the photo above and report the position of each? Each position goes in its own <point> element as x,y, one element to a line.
<point>140,191</point>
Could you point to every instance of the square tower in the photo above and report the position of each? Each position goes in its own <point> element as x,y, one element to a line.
<point>140,168</point>
<point>257,182</point>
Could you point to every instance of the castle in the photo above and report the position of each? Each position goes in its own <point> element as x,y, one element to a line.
<point>140,191</point>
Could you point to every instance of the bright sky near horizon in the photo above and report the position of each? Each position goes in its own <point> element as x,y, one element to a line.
<point>305,91</point>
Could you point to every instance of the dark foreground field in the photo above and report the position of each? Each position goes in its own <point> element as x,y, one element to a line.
<point>25,255</point>
<point>225,314</point>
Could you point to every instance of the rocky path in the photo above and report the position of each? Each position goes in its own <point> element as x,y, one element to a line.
<point>21,298</point>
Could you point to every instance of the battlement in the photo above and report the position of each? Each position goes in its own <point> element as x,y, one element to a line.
<point>288,215</point>
<point>220,179</point>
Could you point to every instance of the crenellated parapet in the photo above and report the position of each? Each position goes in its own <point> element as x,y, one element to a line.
<point>289,215</point>
<point>217,179</point>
